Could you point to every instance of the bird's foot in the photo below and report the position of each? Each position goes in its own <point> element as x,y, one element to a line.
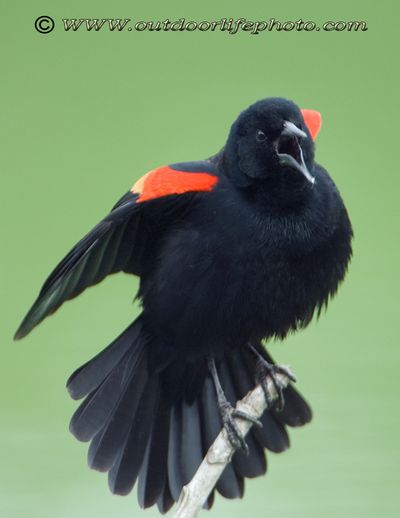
<point>266,371</point>
<point>229,413</point>
<point>228,416</point>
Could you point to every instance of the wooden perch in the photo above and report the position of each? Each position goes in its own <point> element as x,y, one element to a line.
<point>196,492</point>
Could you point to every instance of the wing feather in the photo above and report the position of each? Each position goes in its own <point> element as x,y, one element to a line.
<point>120,241</point>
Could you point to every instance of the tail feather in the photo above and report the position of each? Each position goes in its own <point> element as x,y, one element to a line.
<point>123,474</point>
<point>191,441</point>
<point>210,501</point>
<point>165,500</point>
<point>156,425</point>
<point>106,444</point>
<point>296,411</point>
<point>153,475</point>
<point>273,435</point>
<point>93,412</point>
<point>253,464</point>
<point>89,376</point>
<point>175,475</point>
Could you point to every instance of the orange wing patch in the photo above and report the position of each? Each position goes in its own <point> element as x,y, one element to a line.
<point>165,181</point>
<point>313,120</point>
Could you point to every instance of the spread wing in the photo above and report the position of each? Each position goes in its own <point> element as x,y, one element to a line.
<point>119,241</point>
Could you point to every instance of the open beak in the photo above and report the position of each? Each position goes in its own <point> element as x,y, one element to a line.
<point>289,150</point>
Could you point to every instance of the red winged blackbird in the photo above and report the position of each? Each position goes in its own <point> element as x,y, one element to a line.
<point>244,246</point>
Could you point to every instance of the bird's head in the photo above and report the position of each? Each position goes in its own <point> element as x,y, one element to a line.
<point>273,142</point>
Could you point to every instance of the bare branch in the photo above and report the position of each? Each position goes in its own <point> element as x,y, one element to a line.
<point>220,453</point>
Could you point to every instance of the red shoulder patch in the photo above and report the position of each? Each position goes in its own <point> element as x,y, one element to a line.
<point>164,181</point>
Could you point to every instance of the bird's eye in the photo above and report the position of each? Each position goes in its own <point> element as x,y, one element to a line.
<point>260,136</point>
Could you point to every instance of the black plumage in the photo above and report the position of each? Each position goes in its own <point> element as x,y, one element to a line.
<point>243,247</point>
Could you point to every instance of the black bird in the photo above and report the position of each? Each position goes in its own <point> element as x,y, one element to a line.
<point>242,247</point>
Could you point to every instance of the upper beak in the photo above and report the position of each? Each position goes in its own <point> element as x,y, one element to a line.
<point>291,130</point>
<point>290,152</point>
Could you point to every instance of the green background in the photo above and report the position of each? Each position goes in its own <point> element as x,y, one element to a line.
<point>83,115</point>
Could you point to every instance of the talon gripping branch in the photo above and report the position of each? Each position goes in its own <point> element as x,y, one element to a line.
<point>232,250</point>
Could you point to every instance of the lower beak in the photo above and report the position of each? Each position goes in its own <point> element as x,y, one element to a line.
<point>289,150</point>
<point>290,161</point>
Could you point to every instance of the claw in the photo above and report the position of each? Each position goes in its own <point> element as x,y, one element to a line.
<point>267,370</point>
<point>247,417</point>
<point>280,369</point>
<point>228,415</point>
